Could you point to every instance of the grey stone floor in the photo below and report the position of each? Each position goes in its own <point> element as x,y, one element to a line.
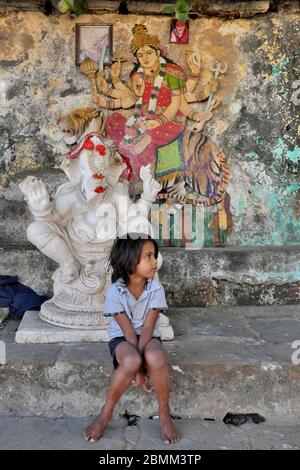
<point>253,344</point>
<point>66,433</point>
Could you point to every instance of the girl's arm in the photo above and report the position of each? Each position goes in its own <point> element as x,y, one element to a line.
<point>148,328</point>
<point>127,328</point>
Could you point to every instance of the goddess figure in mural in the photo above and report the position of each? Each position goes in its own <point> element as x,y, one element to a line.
<point>186,162</point>
<point>155,87</point>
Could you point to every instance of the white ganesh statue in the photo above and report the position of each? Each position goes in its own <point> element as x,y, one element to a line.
<point>78,227</point>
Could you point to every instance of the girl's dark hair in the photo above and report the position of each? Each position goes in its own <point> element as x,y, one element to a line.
<point>126,253</point>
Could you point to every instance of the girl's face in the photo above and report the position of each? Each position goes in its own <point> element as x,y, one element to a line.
<point>147,266</point>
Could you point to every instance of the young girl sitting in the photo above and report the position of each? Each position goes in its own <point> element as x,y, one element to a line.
<point>133,303</point>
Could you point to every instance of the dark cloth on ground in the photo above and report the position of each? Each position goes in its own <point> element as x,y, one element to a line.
<point>239,419</point>
<point>18,297</point>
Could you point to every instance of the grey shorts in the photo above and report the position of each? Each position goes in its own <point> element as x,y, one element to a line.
<point>114,343</point>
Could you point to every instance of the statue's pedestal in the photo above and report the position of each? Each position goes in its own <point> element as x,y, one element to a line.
<point>34,330</point>
<point>74,317</point>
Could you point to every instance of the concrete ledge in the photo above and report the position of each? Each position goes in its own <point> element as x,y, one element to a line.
<point>237,359</point>
<point>36,331</point>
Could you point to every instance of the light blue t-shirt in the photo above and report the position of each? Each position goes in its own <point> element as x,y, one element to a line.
<point>118,299</point>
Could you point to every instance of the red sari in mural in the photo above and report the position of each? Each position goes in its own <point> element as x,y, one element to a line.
<point>173,84</point>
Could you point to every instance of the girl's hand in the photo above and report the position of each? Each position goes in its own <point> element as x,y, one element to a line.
<point>138,380</point>
<point>150,124</point>
<point>141,380</point>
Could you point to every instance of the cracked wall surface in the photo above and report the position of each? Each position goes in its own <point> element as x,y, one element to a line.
<point>257,124</point>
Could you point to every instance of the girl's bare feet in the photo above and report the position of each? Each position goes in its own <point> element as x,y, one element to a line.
<point>94,431</point>
<point>148,387</point>
<point>141,380</point>
<point>169,433</point>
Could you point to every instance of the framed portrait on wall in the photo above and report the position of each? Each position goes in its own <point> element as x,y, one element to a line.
<point>93,41</point>
<point>179,32</point>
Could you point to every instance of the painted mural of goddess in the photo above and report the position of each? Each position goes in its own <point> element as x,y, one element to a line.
<point>156,85</point>
<point>190,167</point>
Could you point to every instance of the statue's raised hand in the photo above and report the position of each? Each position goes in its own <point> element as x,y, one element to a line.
<point>150,185</point>
<point>36,194</point>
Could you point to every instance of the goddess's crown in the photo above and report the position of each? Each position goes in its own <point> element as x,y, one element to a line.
<point>142,38</point>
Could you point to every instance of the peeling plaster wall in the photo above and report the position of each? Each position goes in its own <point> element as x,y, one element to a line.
<point>257,125</point>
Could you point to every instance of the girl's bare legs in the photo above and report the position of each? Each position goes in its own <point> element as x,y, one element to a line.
<point>130,362</point>
<point>158,369</point>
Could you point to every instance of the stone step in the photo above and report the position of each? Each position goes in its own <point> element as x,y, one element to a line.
<point>196,278</point>
<point>40,433</point>
<point>222,360</point>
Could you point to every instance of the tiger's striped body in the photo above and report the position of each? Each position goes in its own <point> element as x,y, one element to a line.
<point>206,172</point>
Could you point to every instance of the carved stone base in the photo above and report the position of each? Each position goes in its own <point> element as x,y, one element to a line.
<point>57,316</point>
<point>54,315</point>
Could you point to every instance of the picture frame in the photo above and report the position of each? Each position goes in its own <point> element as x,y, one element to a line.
<point>90,39</point>
<point>179,32</point>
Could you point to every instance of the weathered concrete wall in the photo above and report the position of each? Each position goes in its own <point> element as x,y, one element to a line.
<point>201,278</point>
<point>256,125</point>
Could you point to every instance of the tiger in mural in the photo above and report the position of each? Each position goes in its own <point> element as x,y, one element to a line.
<point>204,177</point>
<point>201,180</point>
